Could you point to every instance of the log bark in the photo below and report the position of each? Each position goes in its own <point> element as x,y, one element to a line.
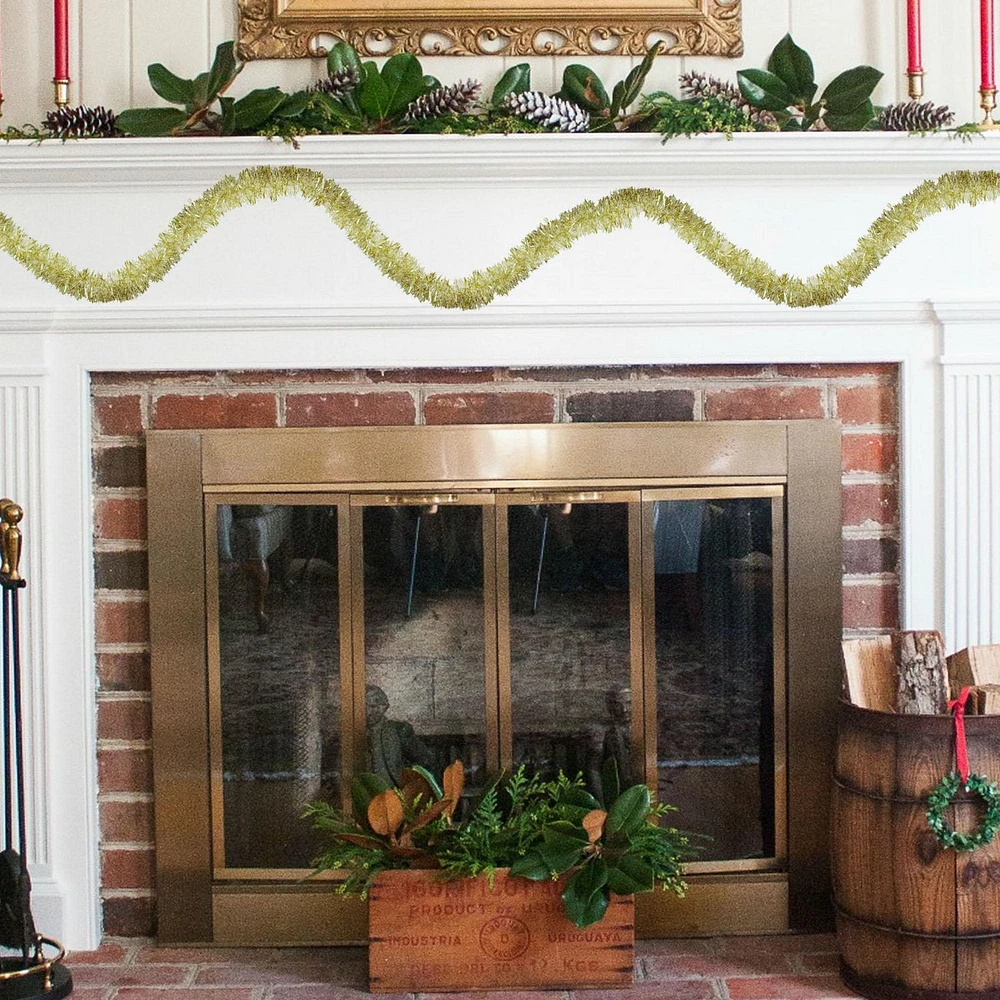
<point>923,675</point>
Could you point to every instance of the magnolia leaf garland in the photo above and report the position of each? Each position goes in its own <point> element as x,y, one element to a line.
<point>617,210</point>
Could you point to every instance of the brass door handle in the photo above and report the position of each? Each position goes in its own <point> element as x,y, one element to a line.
<point>560,498</point>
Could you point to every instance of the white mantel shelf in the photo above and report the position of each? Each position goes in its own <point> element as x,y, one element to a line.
<point>277,286</point>
<point>618,159</point>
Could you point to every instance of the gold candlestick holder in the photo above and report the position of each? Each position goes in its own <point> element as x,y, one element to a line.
<point>915,84</point>
<point>61,92</point>
<point>988,101</point>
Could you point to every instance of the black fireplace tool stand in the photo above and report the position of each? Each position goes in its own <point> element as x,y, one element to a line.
<point>25,971</point>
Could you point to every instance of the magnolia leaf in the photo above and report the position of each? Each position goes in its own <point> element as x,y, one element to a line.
<point>440,808</point>
<point>849,91</point>
<point>294,104</point>
<point>228,115</point>
<point>422,771</point>
<point>360,840</point>
<point>585,898</point>
<point>795,68</point>
<point>453,783</point>
<point>404,81</point>
<point>580,798</point>
<point>150,121</point>
<point>627,875</point>
<point>583,86</point>
<point>565,828</point>
<point>169,86</point>
<point>851,121</point>
<point>764,90</point>
<point>629,811</point>
<point>201,98</point>
<point>627,92</point>
<point>531,866</point>
<point>593,823</point>
<point>364,787</point>
<point>372,94</point>
<point>516,80</point>
<point>253,110</point>
<point>414,787</point>
<point>385,813</point>
<point>561,851</point>
<point>342,56</point>
<point>559,860</point>
<point>224,69</point>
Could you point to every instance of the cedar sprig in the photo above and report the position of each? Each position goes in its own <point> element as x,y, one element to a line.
<point>703,85</point>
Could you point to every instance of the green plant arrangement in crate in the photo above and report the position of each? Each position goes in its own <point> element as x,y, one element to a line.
<point>538,829</point>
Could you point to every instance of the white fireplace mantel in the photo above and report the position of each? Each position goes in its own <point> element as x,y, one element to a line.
<point>278,286</point>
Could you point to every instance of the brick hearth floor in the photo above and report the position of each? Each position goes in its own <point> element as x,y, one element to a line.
<point>788,967</point>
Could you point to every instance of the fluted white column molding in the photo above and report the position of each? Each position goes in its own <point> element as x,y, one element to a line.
<point>971,474</point>
<point>20,479</point>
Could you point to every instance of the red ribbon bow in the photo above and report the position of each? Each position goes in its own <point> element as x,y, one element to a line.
<point>957,707</point>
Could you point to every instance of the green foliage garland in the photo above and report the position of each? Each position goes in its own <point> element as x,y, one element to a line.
<point>942,796</point>
<point>617,210</point>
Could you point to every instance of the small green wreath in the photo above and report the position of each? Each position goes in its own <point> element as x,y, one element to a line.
<point>942,796</point>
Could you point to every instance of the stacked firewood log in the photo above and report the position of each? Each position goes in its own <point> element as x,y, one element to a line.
<point>908,672</point>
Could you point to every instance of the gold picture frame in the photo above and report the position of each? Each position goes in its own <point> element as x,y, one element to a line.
<point>290,29</point>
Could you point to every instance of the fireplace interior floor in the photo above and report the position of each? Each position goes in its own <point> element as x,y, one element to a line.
<point>783,967</point>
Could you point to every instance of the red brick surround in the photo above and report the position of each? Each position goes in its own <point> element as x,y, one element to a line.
<point>863,397</point>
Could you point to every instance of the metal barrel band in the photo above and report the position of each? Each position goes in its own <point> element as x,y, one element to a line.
<point>852,918</point>
<point>875,796</point>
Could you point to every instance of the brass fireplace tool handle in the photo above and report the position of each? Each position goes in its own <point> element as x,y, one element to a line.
<point>10,540</point>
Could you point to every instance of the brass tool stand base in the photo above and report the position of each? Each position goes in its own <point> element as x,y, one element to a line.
<point>40,979</point>
<point>32,987</point>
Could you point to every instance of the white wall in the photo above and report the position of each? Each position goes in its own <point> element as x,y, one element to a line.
<point>114,40</point>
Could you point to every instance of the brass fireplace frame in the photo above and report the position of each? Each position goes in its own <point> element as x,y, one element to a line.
<point>189,471</point>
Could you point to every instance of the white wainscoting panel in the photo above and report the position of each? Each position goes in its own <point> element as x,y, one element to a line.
<point>971,426</point>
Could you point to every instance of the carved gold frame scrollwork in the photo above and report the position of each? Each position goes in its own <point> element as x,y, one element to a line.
<point>289,29</point>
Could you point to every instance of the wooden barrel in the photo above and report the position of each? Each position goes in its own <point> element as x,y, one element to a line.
<point>913,920</point>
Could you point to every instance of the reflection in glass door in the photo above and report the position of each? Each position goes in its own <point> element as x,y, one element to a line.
<point>427,642</point>
<point>569,638</point>
<point>277,692</point>
<point>714,594</point>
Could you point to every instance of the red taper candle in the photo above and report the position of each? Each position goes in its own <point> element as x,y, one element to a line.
<point>913,52</point>
<point>61,12</point>
<point>987,48</point>
<point>914,57</point>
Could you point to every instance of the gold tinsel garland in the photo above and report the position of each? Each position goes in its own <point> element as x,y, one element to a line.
<point>617,210</point>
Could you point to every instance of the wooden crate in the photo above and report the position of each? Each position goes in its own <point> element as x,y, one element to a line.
<point>427,935</point>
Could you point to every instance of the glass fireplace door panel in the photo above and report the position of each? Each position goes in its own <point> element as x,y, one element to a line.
<point>715,583</point>
<point>570,606</point>
<point>425,644</point>
<point>277,695</point>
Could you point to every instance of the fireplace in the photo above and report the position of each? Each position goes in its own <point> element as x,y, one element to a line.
<point>627,327</point>
<point>662,596</point>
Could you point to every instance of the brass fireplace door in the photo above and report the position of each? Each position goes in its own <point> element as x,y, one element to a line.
<point>636,620</point>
